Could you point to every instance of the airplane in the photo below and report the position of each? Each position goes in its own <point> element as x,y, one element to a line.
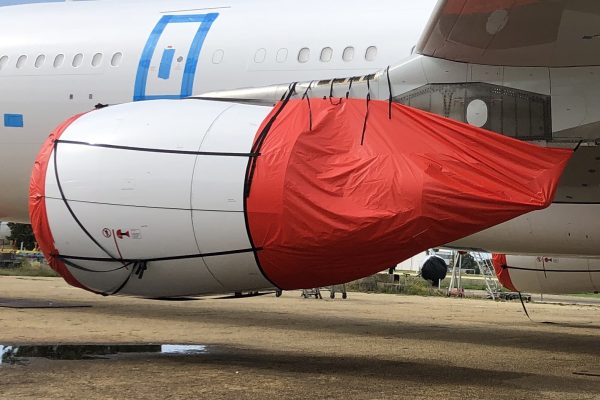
<point>482,63</point>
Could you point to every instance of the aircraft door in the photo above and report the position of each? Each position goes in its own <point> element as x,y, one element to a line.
<point>168,63</point>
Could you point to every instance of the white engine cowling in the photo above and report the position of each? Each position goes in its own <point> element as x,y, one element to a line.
<point>149,200</point>
<point>550,275</point>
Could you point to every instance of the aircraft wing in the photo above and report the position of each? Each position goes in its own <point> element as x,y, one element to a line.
<point>550,33</point>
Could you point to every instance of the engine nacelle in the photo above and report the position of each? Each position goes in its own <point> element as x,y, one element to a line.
<point>434,270</point>
<point>549,275</point>
<point>173,198</point>
<point>148,195</point>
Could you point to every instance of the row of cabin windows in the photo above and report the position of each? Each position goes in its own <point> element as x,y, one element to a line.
<point>347,55</point>
<point>282,55</point>
<point>325,56</point>
<point>59,60</point>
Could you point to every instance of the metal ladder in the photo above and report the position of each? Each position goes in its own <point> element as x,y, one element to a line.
<point>455,288</point>
<point>484,261</point>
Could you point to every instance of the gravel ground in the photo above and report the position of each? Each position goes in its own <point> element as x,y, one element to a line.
<point>365,347</point>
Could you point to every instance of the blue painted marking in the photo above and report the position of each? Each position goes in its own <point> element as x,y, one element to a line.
<point>13,120</point>
<point>164,71</point>
<point>189,74</point>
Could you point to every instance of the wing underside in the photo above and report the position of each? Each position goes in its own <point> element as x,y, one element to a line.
<point>550,33</point>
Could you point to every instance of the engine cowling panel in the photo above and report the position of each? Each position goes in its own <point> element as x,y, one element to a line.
<point>548,274</point>
<point>151,200</point>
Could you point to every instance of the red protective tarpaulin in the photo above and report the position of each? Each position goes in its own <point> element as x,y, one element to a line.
<point>500,267</point>
<point>324,208</point>
<point>37,205</point>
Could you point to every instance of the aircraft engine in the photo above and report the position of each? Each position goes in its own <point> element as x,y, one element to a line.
<point>182,197</point>
<point>548,275</point>
<point>434,269</point>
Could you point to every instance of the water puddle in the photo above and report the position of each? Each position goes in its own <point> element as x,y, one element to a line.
<point>20,354</point>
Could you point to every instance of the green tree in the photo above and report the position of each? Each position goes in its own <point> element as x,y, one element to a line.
<point>22,233</point>
<point>469,262</point>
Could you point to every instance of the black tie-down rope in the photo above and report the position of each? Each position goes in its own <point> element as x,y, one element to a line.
<point>584,271</point>
<point>331,95</point>
<point>257,146</point>
<point>349,88</point>
<point>364,130</point>
<point>545,274</point>
<point>524,308</point>
<point>391,98</point>
<point>307,97</point>
<point>138,266</point>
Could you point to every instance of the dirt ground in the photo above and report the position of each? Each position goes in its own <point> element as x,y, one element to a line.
<point>365,347</point>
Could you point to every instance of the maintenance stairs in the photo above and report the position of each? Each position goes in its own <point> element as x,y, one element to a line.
<point>484,262</point>
<point>486,268</point>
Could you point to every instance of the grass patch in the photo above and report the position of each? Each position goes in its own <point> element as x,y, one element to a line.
<point>29,268</point>
<point>381,283</point>
<point>409,285</point>
<point>588,295</point>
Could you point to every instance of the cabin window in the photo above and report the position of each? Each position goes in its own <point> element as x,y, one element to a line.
<point>371,53</point>
<point>218,56</point>
<point>40,60</point>
<point>260,56</point>
<point>326,54</point>
<point>348,54</point>
<point>97,60</point>
<point>282,55</point>
<point>304,55</point>
<point>3,62</point>
<point>116,59</point>
<point>58,60</point>
<point>77,60</point>
<point>21,61</point>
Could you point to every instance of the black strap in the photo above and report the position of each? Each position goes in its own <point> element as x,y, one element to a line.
<point>307,97</point>
<point>66,203</point>
<point>349,88</point>
<point>165,151</point>
<point>331,95</point>
<point>391,99</point>
<point>138,266</point>
<point>585,271</point>
<point>147,260</point>
<point>364,130</point>
<point>67,260</point>
<point>524,308</point>
<point>261,138</point>
<point>122,285</point>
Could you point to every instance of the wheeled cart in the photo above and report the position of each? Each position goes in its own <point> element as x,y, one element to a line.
<point>316,292</point>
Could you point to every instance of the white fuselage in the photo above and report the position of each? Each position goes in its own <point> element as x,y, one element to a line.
<point>60,59</point>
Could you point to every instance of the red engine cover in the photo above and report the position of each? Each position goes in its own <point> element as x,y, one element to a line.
<point>326,209</point>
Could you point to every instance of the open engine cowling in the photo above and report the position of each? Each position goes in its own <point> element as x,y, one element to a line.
<point>174,198</point>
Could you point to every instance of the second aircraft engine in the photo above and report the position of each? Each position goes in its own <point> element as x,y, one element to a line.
<point>548,274</point>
